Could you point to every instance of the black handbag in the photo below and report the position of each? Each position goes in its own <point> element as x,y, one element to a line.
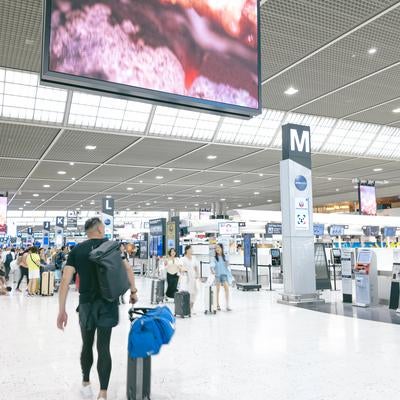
<point>111,271</point>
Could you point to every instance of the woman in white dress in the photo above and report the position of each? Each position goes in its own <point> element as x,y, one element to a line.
<point>189,274</point>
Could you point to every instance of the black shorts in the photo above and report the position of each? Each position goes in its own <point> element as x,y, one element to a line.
<point>99,314</point>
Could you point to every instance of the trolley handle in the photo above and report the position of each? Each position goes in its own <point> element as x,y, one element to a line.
<point>139,311</point>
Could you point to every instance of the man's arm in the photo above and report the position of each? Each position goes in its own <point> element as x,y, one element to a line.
<point>62,319</point>
<point>131,278</point>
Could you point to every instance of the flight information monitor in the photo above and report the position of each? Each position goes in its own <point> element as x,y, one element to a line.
<point>196,54</point>
<point>364,257</point>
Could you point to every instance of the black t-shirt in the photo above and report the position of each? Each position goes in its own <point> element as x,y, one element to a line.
<point>78,258</point>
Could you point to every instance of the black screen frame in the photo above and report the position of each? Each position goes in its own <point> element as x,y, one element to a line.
<point>63,80</point>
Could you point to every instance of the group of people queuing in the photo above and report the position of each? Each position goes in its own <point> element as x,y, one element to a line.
<point>182,274</point>
<point>29,263</point>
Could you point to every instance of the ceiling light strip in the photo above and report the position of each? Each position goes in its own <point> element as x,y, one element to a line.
<point>329,44</point>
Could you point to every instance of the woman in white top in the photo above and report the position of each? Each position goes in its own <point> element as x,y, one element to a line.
<point>173,266</point>
<point>190,274</point>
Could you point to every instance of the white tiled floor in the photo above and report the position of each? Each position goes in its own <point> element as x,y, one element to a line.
<point>261,350</point>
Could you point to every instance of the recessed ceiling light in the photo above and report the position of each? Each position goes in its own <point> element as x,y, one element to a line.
<point>186,207</point>
<point>61,172</point>
<point>211,157</point>
<point>261,175</point>
<point>139,206</point>
<point>385,182</point>
<point>73,178</point>
<point>329,179</point>
<point>205,203</point>
<point>108,197</point>
<point>171,169</point>
<point>92,202</point>
<point>196,205</point>
<point>396,110</point>
<point>21,208</point>
<point>249,204</point>
<point>43,200</point>
<point>90,147</point>
<point>140,181</point>
<point>77,208</point>
<point>28,202</point>
<point>337,189</point>
<point>46,186</point>
<point>239,205</point>
<point>128,209</point>
<point>373,50</point>
<point>222,199</point>
<point>198,190</point>
<point>256,193</point>
<point>269,201</point>
<point>237,181</point>
<point>378,169</point>
<point>129,188</point>
<point>155,202</point>
<point>291,91</point>
<point>159,177</point>
<point>221,184</point>
<point>71,164</point>
<point>35,195</point>
<point>170,198</point>
<point>148,204</point>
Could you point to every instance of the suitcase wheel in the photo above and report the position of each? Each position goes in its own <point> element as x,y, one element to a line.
<point>214,312</point>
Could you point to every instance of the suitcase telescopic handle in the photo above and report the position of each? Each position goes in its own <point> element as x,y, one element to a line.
<point>137,311</point>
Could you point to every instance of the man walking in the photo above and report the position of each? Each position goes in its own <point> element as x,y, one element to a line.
<point>95,313</point>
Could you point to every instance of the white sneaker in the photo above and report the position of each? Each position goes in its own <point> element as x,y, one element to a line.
<point>87,392</point>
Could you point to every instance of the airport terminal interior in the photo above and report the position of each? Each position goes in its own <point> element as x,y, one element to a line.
<point>230,168</point>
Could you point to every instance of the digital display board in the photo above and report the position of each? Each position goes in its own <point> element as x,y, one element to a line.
<point>336,230</point>
<point>228,228</point>
<point>3,215</point>
<point>273,229</point>
<point>202,54</point>
<point>389,231</point>
<point>371,230</point>
<point>247,250</point>
<point>367,198</point>
<point>319,229</point>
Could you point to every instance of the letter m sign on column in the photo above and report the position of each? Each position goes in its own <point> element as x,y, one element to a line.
<point>296,144</point>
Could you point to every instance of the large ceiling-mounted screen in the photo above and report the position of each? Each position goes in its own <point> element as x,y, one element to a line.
<point>196,54</point>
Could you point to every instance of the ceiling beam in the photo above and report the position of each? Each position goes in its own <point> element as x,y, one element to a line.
<point>331,43</point>
<point>54,141</point>
<point>396,64</point>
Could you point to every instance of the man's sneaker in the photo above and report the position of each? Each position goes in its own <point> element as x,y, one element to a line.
<point>87,392</point>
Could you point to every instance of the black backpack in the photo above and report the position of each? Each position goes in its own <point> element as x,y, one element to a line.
<point>111,272</point>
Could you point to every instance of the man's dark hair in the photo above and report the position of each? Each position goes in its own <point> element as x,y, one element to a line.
<point>91,223</point>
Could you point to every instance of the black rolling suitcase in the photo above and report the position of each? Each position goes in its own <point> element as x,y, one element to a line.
<point>182,304</point>
<point>157,291</point>
<point>138,372</point>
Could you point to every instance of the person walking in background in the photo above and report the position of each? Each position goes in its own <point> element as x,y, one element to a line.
<point>189,274</point>
<point>173,266</point>
<point>220,267</point>
<point>9,258</point>
<point>33,263</point>
<point>23,267</point>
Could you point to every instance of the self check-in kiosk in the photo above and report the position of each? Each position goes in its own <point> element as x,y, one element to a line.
<point>394,299</point>
<point>366,278</point>
<point>348,262</point>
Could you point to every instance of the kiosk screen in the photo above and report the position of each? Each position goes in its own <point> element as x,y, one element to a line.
<point>364,257</point>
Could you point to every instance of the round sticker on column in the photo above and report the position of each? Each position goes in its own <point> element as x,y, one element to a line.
<point>300,182</point>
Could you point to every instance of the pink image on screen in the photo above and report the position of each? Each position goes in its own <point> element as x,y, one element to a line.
<point>198,48</point>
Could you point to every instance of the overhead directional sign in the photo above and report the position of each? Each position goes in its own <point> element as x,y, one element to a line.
<point>60,222</point>
<point>46,226</point>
